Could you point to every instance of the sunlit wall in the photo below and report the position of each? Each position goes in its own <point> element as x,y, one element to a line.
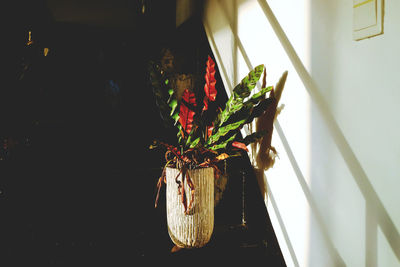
<point>332,193</point>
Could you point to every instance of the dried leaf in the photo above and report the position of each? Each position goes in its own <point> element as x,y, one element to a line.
<point>222,156</point>
<point>240,145</point>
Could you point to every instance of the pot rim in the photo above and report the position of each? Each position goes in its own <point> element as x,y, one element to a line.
<point>197,168</point>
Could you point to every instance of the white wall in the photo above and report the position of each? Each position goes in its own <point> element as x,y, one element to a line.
<point>332,194</point>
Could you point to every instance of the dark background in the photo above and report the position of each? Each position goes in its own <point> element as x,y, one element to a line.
<point>77,180</point>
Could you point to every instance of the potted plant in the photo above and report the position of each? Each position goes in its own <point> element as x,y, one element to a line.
<point>206,135</point>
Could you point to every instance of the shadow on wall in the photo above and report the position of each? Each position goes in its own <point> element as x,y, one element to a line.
<point>375,213</point>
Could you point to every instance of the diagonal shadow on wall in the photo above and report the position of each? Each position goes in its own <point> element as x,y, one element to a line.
<point>332,250</point>
<point>376,214</point>
<point>375,211</point>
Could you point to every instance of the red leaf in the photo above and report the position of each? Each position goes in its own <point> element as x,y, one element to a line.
<point>210,129</point>
<point>186,115</point>
<point>209,87</point>
<point>240,145</point>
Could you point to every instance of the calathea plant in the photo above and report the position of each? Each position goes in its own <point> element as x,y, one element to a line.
<point>206,133</point>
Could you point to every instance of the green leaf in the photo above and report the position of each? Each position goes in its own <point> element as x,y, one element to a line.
<point>243,89</point>
<point>257,97</point>
<point>172,95</point>
<point>175,117</point>
<point>232,105</point>
<point>195,142</point>
<point>158,84</point>
<point>173,104</point>
<point>223,144</point>
<point>222,131</point>
<point>250,109</point>
<point>179,134</point>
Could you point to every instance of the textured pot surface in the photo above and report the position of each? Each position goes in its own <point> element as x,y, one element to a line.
<point>195,228</point>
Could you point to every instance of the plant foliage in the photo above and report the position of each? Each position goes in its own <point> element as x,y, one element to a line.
<point>202,125</point>
<point>206,133</point>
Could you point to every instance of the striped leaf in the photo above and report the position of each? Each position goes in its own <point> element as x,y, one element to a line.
<point>223,145</point>
<point>243,89</point>
<point>223,131</point>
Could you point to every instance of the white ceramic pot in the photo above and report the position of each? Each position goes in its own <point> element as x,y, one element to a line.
<point>195,227</point>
